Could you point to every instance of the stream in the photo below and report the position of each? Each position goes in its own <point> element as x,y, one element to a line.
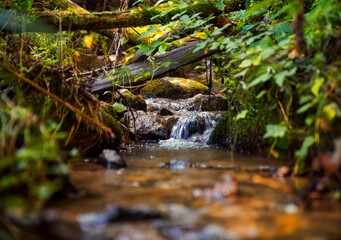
<point>180,188</point>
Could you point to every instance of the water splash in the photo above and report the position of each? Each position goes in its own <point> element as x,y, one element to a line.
<point>176,144</point>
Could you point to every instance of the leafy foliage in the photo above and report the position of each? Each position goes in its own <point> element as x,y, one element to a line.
<point>261,59</point>
<point>261,63</point>
<point>30,166</point>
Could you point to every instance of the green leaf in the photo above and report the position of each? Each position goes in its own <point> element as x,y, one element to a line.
<point>241,115</point>
<point>7,182</point>
<point>242,73</point>
<point>261,94</point>
<point>151,30</point>
<point>118,107</point>
<point>184,18</point>
<point>317,85</point>
<point>303,151</point>
<point>256,60</point>
<point>275,131</point>
<point>262,78</point>
<point>166,64</point>
<point>144,48</point>
<point>200,45</point>
<point>310,120</point>
<point>279,77</point>
<point>245,63</point>
<point>182,5</point>
<point>219,5</point>
<point>305,107</point>
<point>305,98</point>
<point>44,191</point>
<point>162,48</point>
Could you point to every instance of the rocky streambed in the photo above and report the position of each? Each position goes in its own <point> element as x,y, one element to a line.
<point>172,185</point>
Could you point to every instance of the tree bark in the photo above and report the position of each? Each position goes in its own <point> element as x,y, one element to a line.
<point>140,72</point>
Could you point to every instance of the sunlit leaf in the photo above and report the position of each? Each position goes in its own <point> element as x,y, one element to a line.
<point>151,30</point>
<point>182,4</point>
<point>275,131</point>
<point>241,115</point>
<point>144,48</point>
<point>245,63</point>
<point>329,111</point>
<point>242,73</point>
<point>280,77</point>
<point>118,107</point>
<point>261,94</point>
<point>199,46</point>
<point>219,5</point>
<point>317,85</point>
<point>162,48</point>
<point>262,78</point>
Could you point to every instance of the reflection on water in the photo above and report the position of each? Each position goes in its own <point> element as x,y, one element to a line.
<point>150,201</point>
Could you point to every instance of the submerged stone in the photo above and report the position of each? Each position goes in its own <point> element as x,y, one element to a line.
<point>226,187</point>
<point>111,159</point>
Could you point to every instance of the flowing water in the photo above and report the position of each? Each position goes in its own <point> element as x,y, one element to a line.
<point>174,194</point>
<point>181,188</point>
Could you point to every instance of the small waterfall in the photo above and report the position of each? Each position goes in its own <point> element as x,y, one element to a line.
<point>188,126</point>
<point>185,127</point>
<point>196,127</point>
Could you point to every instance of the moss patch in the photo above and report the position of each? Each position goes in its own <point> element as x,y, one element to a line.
<point>244,135</point>
<point>173,88</point>
<point>135,101</point>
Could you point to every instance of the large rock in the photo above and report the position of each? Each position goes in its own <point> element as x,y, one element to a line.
<point>202,102</point>
<point>150,126</point>
<point>174,88</point>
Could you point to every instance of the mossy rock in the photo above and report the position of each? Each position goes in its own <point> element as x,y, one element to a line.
<point>244,135</point>
<point>135,101</point>
<point>174,88</point>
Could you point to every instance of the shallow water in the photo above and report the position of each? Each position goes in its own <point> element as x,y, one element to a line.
<point>181,202</point>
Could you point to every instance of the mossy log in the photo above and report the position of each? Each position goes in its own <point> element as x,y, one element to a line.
<point>135,17</point>
<point>140,72</point>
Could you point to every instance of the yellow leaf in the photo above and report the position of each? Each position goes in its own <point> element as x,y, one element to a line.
<point>329,111</point>
<point>89,41</point>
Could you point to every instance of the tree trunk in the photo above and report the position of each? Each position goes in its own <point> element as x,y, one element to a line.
<point>140,72</point>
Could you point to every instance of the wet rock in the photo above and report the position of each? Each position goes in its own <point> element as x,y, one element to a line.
<point>227,186</point>
<point>150,126</point>
<point>111,159</point>
<point>175,164</point>
<point>116,213</point>
<point>173,88</point>
<point>165,112</point>
<point>211,231</point>
<point>202,102</point>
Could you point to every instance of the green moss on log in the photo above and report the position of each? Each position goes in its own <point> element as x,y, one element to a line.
<point>173,88</point>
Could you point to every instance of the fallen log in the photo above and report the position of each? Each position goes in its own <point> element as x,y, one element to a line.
<point>141,16</point>
<point>137,73</point>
